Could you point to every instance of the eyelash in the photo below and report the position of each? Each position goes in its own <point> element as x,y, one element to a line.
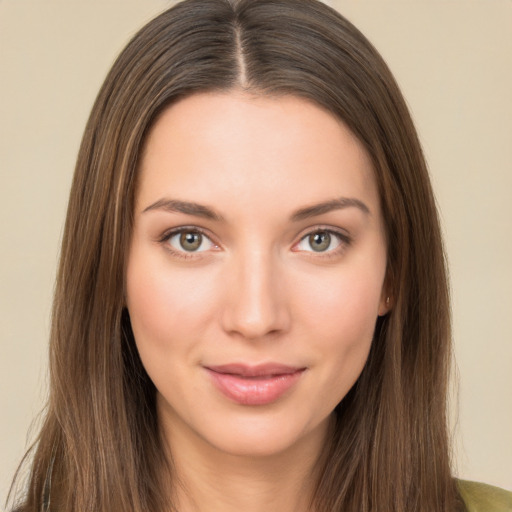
<point>168,235</point>
<point>343,238</point>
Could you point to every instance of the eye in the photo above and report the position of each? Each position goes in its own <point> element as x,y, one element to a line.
<point>189,240</point>
<point>322,241</point>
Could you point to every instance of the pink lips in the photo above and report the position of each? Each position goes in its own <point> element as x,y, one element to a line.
<point>254,385</point>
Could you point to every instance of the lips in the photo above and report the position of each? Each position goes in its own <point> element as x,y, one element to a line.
<point>254,385</point>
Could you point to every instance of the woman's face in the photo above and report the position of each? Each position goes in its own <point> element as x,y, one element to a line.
<point>256,269</point>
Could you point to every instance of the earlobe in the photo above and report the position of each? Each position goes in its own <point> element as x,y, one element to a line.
<point>385,306</point>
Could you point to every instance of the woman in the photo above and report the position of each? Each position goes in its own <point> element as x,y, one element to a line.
<point>251,309</point>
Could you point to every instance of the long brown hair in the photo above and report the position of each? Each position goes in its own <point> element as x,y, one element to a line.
<point>99,448</point>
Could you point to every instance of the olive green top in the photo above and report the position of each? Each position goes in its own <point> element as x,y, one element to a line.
<point>484,498</point>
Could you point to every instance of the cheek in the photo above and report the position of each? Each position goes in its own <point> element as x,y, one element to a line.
<point>348,325</point>
<point>166,306</point>
<point>343,307</point>
<point>341,314</point>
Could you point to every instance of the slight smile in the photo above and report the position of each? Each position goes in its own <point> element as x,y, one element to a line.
<point>254,385</point>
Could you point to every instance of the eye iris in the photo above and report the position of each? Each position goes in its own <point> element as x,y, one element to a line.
<point>320,241</point>
<point>191,241</point>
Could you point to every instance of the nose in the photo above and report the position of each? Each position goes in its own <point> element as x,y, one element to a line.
<point>255,305</point>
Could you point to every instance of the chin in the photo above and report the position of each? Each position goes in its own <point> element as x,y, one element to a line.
<point>264,437</point>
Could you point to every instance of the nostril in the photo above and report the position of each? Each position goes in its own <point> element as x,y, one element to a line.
<point>255,324</point>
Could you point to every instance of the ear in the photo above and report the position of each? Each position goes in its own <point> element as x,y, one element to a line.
<point>385,304</point>
<point>386,301</point>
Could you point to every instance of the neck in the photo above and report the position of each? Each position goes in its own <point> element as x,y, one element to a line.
<point>206,479</point>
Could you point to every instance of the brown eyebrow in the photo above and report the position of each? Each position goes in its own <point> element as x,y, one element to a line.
<point>187,207</point>
<point>328,206</point>
<point>199,210</point>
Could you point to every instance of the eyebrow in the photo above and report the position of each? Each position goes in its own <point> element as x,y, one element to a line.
<point>328,206</point>
<point>200,210</point>
<point>187,207</point>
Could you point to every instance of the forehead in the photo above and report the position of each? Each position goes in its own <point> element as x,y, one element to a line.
<point>240,148</point>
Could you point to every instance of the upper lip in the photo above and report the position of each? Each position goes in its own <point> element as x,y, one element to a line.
<point>259,370</point>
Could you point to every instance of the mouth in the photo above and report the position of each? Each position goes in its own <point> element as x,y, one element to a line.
<point>254,385</point>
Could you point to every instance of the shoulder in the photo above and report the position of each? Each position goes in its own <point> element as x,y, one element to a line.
<point>484,498</point>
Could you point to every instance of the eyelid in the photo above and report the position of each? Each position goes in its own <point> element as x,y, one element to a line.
<point>344,238</point>
<point>168,234</point>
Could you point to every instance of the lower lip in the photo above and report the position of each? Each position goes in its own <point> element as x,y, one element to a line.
<point>254,390</point>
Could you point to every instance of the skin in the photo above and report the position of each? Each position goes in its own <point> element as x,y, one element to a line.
<point>255,291</point>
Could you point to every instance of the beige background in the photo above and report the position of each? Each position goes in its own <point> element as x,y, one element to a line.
<point>453,60</point>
